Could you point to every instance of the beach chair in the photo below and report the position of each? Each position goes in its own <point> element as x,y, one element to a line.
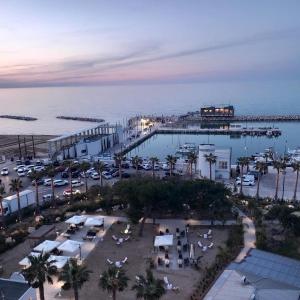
<point>109,261</point>
<point>209,232</point>
<point>124,261</point>
<point>127,238</point>
<point>115,238</point>
<point>126,231</point>
<point>205,236</point>
<point>204,248</point>
<point>200,244</point>
<point>210,245</point>
<point>180,262</point>
<point>166,281</point>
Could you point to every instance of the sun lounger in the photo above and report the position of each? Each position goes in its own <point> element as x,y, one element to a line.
<point>127,238</point>
<point>126,231</point>
<point>114,238</point>
<point>210,245</point>
<point>124,261</point>
<point>209,232</point>
<point>205,236</point>
<point>180,262</point>
<point>167,263</point>
<point>204,248</point>
<point>166,281</point>
<point>200,244</point>
<point>109,261</point>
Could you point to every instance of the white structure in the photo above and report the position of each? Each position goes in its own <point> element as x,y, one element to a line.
<point>46,246</point>
<point>221,169</point>
<point>163,240</point>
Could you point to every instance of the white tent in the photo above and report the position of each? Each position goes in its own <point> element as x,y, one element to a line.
<point>25,261</point>
<point>94,221</point>
<point>76,220</point>
<point>163,240</point>
<point>46,246</point>
<point>70,246</point>
<point>60,261</point>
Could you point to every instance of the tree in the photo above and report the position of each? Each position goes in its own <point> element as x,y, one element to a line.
<point>51,172</point>
<point>296,168</point>
<point>260,167</point>
<point>113,280</point>
<point>74,275</point>
<point>278,165</point>
<point>35,176</point>
<point>70,166</point>
<point>40,271</point>
<point>2,193</point>
<point>243,162</point>
<point>136,162</point>
<point>118,158</point>
<point>16,186</point>
<point>171,161</point>
<point>149,288</point>
<point>211,159</point>
<point>100,167</point>
<point>192,160</point>
<point>84,167</point>
<point>154,160</point>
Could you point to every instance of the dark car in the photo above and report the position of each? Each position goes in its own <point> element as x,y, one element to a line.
<point>75,174</point>
<point>27,162</point>
<point>39,182</point>
<point>125,175</point>
<point>125,166</point>
<point>56,163</point>
<point>64,174</point>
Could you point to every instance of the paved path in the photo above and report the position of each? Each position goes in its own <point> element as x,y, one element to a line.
<point>249,236</point>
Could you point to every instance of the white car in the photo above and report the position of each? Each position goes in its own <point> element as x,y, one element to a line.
<point>21,172</point>
<point>87,173</point>
<point>4,171</point>
<point>39,168</point>
<point>29,167</point>
<point>246,182</point>
<point>106,175</point>
<point>165,167</point>
<point>147,167</point>
<point>48,197</point>
<point>77,183</point>
<point>60,182</point>
<point>47,181</point>
<point>19,167</point>
<point>95,176</point>
<point>67,193</point>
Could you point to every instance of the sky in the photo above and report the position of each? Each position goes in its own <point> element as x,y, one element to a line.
<point>85,42</point>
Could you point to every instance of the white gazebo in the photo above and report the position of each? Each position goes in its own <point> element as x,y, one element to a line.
<point>94,221</point>
<point>163,240</point>
<point>60,261</point>
<point>46,246</point>
<point>25,261</point>
<point>71,246</point>
<point>76,220</point>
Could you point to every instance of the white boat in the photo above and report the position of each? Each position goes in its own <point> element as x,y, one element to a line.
<point>186,148</point>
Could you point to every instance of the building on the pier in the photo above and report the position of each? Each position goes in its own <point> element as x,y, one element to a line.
<point>217,112</point>
<point>219,170</point>
<point>87,142</point>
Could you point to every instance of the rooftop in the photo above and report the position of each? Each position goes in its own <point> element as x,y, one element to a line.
<point>12,290</point>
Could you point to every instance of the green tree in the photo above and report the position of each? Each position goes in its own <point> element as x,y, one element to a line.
<point>136,161</point>
<point>260,167</point>
<point>113,280</point>
<point>171,161</point>
<point>40,271</point>
<point>119,158</point>
<point>279,165</point>
<point>35,176</point>
<point>149,288</point>
<point>16,186</point>
<point>100,167</point>
<point>2,193</point>
<point>243,162</point>
<point>84,167</point>
<point>154,160</point>
<point>192,160</point>
<point>51,173</point>
<point>211,159</point>
<point>74,275</point>
<point>296,168</point>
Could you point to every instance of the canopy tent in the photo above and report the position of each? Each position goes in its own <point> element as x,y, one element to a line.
<point>76,220</point>
<point>25,261</point>
<point>163,240</point>
<point>60,261</point>
<point>70,246</point>
<point>94,221</point>
<point>46,246</point>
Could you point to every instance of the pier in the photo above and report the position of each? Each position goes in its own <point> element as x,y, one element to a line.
<point>22,118</point>
<point>82,119</point>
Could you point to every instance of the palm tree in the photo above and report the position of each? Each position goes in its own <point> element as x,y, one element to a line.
<point>16,186</point>
<point>154,160</point>
<point>51,172</point>
<point>136,161</point>
<point>99,167</point>
<point>84,167</point>
<point>260,167</point>
<point>211,159</point>
<point>192,160</point>
<point>74,276</point>
<point>296,168</point>
<point>35,176</point>
<point>243,161</point>
<point>149,288</point>
<point>2,193</point>
<point>118,158</point>
<point>171,161</point>
<point>278,165</point>
<point>40,271</point>
<point>113,280</point>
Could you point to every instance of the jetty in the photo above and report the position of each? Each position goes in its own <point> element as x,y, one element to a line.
<point>22,118</point>
<point>82,119</point>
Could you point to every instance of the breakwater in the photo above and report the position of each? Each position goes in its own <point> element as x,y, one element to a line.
<point>22,118</point>
<point>83,119</point>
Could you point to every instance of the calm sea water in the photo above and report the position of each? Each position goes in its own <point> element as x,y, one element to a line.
<point>116,103</point>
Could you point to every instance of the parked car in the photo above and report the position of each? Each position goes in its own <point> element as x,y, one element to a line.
<point>19,167</point>
<point>106,175</point>
<point>39,182</point>
<point>95,176</point>
<point>156,167</point>
<point>246,182</point>
<point>48,197</point>
<point>147,167</point>
<point>67,192</point>
<point>64,174</point>
<point>165,167</point>
<point>4,171</point>
<point>39,168</point>
<point>21,172</point>
<point>47,182</point>
<point>125,175</point>
<point>60,182</point>
<point>253,173</point>
<point>75,174</point>
<point>77,183</point>
<point>29,167</point>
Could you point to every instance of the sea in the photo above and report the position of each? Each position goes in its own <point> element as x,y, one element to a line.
<point>115,104</point>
